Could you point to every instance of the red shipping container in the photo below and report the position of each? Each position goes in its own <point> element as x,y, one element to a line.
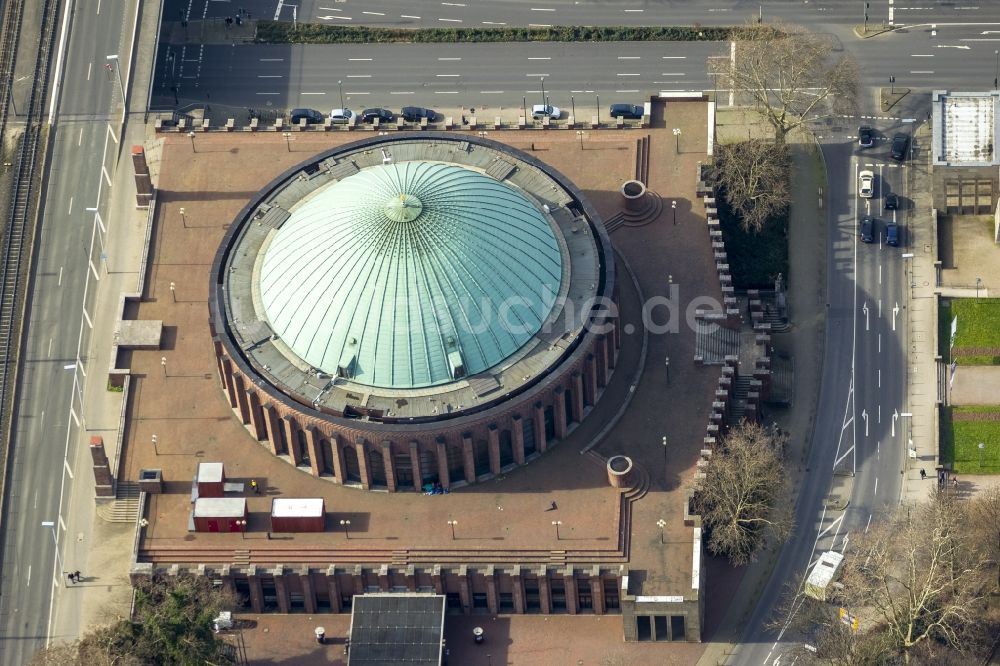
<point>220,514</point>
<point>289,514</point>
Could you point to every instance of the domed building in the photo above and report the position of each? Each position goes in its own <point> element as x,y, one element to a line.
<point>415,309</point>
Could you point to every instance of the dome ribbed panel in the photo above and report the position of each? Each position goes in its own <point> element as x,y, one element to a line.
<point>348,274</point>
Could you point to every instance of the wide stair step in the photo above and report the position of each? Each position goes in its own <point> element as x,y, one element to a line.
<point>125,507</point>
<point>713,343</point>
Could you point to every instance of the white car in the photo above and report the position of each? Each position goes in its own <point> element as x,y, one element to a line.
<point>539,111</point>
<point>341,116</point>
<point>866,184</point>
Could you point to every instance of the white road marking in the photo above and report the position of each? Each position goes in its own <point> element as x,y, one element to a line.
<point>408,16</point>
<point>673,57</point>
<point>921,55</point>
<point>405,92</point>
<point>89,66</point>
<point>494,23</point>
<point>633,10</point>
<point>453,4</point>
<point>876,486</point>
<point>356,93</point>
<point>70,211</point>
<point>869,523</point>
<point>626,91</point>
<point>68,470</point>
<point>79,140</point>
<point>672,74</point>
<point>629,57</point>
<point>536,74</point>
<point>490,92</point>
<point>28,584</point>
<point>359,60</point>
<point>59,284</point>
<point>620,74</point>
<point>880,378</point>
<point>374,13</point>
<point>447,75</point>
<point>542,9</point>
<point>359,76</point>
<point>921,72</point>
<point>313,93</point>
<point>271,59</point>
<point>269,76</point>
<point>451,20</point>
<point>445,92</point>
<point>342,18</point>
<point>539,25</point>
<point>267,93</point>
<point>539,58</point>
<point>49,353</point>
<point>449,58</point>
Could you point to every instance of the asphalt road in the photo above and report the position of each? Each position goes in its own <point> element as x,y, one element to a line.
<point>494,75</point>
<point>40,487</point>
<point>497,13</point>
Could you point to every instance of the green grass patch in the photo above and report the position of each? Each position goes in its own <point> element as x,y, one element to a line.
<point>960,441</point>
<point>284,32</point>
<point>755,259</point>
<point>978,326</point>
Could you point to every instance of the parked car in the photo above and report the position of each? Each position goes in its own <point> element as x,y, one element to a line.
<point>900,145</point>
<point>866,136</point>
<point>891,202</point>
<point>867,230</point>
<point>892,234</point>
<point>311,116</point>
<point>539,111</point>
<point>414,114</point>
<point>866,184</point>
<point>626,111</point>
<point>370,115</point>
<point>341,116</point>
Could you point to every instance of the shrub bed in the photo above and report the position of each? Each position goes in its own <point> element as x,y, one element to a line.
<point>285,32</point>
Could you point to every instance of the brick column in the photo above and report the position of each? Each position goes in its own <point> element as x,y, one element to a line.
<point>281,589</point>
<point>569,585</point>
<point>578,402</point>
<point>437,579</point>
<point>468,459</point>
<point>227,377</point>
<point>364,473</point>
<point>492,597</point>
<point>308,592</point>
<point>517,587</point>
<point>544,591</point>
<point>333,589</point>
<point>241,399</point>
<point>390,466</point>
<point>559,412</point>
<point>415,465</point>
<point>601,364</point>
<point>257,417</point>
<point>273,423</point>
<point>256,590</point>
<point>590,380</point>
<point>597,591</point>
<point>494,444</point>
<point>313,437</point>
<point>104,482</point>
<point>517,438</point>
<point>384,584</point>
<point>292,440</point>
<point>444,478</point>
<point>540,443</point>
<point>411,578</point>
<point>337,448</point>
<point>464,593</point>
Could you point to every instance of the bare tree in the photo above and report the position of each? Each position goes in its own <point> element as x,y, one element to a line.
<point>753,177</point>
<point>740,498</point>
<point>791,74</point>
<point>984,524</point>
<point>918,575</point>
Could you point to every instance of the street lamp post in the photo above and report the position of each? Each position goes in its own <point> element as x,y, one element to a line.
<point>52,526</point>
<point>668,370</point>
<point>982,447</point>
<point>340,86</point>
<point>155,450</point>
<point>118,70</point>
<point>979,281</point>
<point>452,524</point>
<point>191,136</point>
<point>996,69</point>
<point>288,140</point>
<point>661,524</point>
<point>572,103</point>
<point>346,524</point>
<point>242,523</point>
<point>673,207</point>
<point>598,110</point>
<point>544,103</point>
<point>664,459</point>
<point>556,524</point>
<point>892,84</point>
<point>677,137</point>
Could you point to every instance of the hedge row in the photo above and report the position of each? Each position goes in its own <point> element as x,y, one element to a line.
<point>284,32</point>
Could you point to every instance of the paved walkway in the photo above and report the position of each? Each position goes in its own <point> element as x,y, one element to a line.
<point>976,385</point>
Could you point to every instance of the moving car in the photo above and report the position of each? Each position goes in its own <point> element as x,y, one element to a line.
<point>341,116</point>
<point>370,115</point>
<point>891,202</point>
<point>867,230</point>
<point>866,136</point>
<point>892,234</point>
<point>626,111</point>
<point>900,144</point>
<point>539,111</point>
<point>414,114</point>
<point>311,116</point>
<point>866,184</point>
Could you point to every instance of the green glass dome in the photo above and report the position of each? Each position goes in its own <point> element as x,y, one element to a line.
<point>410,275</point>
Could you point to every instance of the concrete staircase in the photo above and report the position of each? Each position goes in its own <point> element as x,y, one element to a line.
<point>713,346</point>
<point>125,507</point>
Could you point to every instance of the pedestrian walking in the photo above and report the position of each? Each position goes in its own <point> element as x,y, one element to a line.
<point>923,474</point>
<point>954,482</point>
<point>76,575</point>
<point>254,486</point>
<point>553,507</point>
<point>69,577</point>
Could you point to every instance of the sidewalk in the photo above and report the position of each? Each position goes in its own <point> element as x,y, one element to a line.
<point>807,239</point>
<point>921,399</point>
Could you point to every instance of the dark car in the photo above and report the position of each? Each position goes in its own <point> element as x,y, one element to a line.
<point>626,111</point>
<point>311,116</point>
<point>892,234</point>
<point>866,136</point>
<point>891,202</point>
<point>371,115</point>
<point>900,144</point>
<point>415,114</point>
<point>867,230</point>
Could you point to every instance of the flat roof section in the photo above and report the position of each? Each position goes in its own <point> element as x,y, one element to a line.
<point>965,128</point>
<point>288,507</point>
<point>388,629</point>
